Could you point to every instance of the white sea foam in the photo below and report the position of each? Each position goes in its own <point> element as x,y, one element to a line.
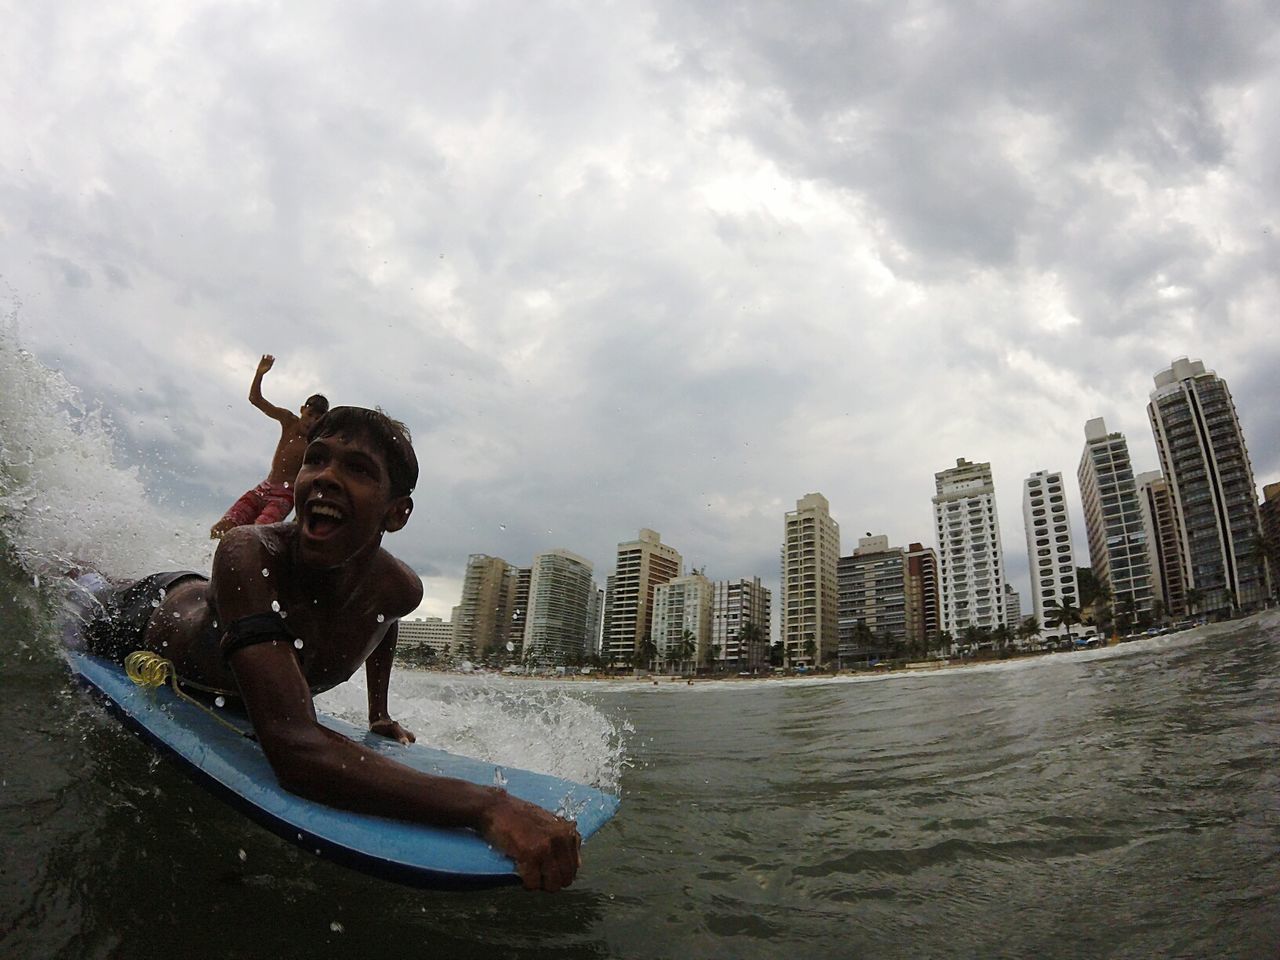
<point>512,723</point>
<point>64,499</point>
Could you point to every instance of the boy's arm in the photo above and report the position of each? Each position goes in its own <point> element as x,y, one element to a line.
<point>256,398</point>
<point>377,673</point>
<point>314,762</point>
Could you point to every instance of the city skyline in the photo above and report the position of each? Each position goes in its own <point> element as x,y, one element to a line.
<point>1106,460</point>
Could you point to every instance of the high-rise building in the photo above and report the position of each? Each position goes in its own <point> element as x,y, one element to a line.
<point>594,614</point>
<point>1164,542</point>
<point>810,551</point>
<point>1113,520</point>
<point>561,595</point>
<point>682,605</point>
<point>488,593</point>
<point>1012,606</point>
<point>922,595</point>
<point>432,633</point>
<point>1204,459</point>
<point>1049,549</point>
<point>735,605</point>
<point>871,600</point>
<point>641,565</point>
<point>970,554</point>
<point>1269,512</point>
<point>519,611</point>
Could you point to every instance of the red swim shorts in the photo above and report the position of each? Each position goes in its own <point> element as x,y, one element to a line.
<point>265,503</point>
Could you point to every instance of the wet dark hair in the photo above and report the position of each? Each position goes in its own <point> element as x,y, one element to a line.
<point>319,403</point>
<point>391,437</point>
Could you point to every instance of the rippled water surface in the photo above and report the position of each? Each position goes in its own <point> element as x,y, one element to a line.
<point>1114,803</point>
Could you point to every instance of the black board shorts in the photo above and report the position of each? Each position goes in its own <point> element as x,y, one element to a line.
<point>119,629</point>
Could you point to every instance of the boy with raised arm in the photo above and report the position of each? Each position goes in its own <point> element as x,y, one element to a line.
<point>272,499</point>
<point>295,608</point>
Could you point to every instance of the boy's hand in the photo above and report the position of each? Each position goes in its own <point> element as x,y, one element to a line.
<point>544,847</point>
<point>392,731</point>
<point>266,363</point>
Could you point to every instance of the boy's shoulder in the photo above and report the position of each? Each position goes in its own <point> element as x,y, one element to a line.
<point>402,585</point>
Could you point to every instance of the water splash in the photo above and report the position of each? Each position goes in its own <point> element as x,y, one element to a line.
<point>64,500</point>
<point>507,722</point>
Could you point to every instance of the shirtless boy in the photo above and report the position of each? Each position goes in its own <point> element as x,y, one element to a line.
<point>295,608</point>
<point>272,499</point>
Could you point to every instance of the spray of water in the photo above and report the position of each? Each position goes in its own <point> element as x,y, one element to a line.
<point>64,501</point>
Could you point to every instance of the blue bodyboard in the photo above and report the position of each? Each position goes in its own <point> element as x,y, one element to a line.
<point>232,765</point>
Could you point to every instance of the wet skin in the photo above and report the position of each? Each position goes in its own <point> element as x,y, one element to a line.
<point>330,575</point>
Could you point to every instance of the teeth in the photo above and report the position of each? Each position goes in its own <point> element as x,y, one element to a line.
<point>324,510</point>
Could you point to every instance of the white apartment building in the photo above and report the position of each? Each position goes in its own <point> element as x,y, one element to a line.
<point>735,604</point>
<point>810,553</point>
<point>679,605</point>
<point>970,555</point>
<point>1050,555</point>
<point>641,565</point>
<point>1113,518</point>
<point>432,632</point>
<point>561,597</point>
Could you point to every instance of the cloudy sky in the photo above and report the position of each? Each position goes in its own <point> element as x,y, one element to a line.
<point>667,265</point>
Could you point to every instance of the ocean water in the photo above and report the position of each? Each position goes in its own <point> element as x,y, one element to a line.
<point>1122,802</point>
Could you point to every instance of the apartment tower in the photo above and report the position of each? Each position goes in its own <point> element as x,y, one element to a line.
<point>641,565</point>
<point>810,552</point>
<point>871,599</point>
<point>1049,551</point>
<point>1113,519</point>
<point>970,554</point>
<point>683,604</point>
<point>1269,512</point>
<point>561,597</point>
<point>1204,459</point>
<point>922,595</point>
<point>488,595</point>
<point>735,606</point>
<point>1164,542</point>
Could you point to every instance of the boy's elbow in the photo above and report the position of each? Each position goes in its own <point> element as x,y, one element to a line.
<point>298,758</point>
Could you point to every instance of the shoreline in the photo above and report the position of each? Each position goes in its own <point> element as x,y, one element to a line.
<point>914,668</point>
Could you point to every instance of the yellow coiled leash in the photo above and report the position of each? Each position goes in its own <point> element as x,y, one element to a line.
<point>148,669</point>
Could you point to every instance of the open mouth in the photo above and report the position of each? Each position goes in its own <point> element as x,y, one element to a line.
<point>323,519</point>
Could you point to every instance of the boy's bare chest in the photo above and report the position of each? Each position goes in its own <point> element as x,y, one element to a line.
<point>334,642</point>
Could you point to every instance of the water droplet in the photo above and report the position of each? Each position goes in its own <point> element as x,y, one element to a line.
<point>498,779</point>
<point>298,643</point>
<point>35,581</point>
<point>215,624</point>
<point>336,927</point>
<point>266,572</point>
<point>502,526</point>
<point>381,618</point>
<point>510,646</point>
<point>286,484</point>
<point>243,856</point>
<point>219,701</point>
<point>155,603</point>
<point>275,605</point>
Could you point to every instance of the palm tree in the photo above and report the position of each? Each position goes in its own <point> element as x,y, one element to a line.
<point>945,640</point>
<point>647,654</point>
<point>1194,599</point>
<point>750,638</point>
<point>1028,628</point>
<point>810,651</point>
<point>1061,613</point>
<point>686,647</point>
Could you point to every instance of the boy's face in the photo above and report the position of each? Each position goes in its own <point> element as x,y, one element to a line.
<point>343,498</point>
<point>308,414</point>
